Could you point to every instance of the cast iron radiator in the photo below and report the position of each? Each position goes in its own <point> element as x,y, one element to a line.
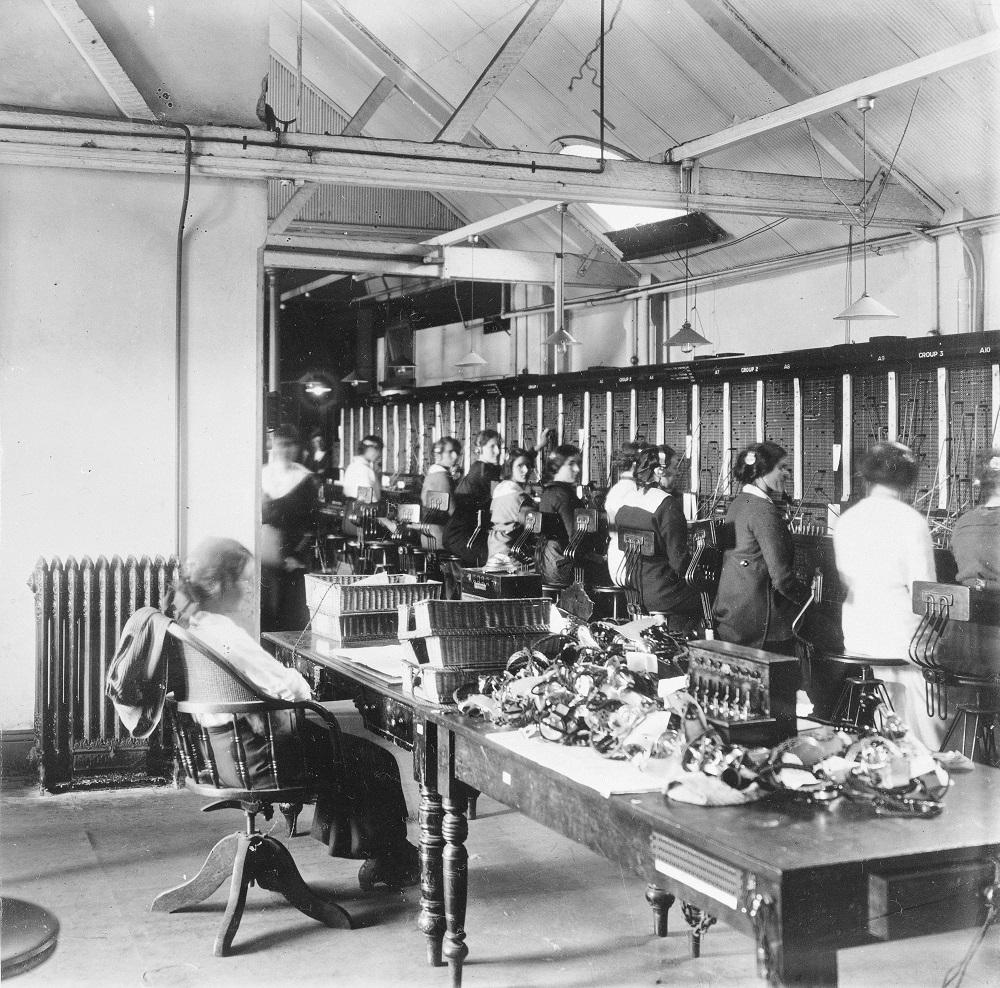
<point>80,609</point>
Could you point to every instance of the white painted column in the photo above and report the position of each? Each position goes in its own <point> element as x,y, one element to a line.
<point>798,458</point>
<point>633,414</point>
<point>436,432</point>
<point>409,437</point>
<point>451,417</point>
<point>420,440</point>
<point>726,467</point>
<point>892,408</point>
<point>846,452</point>
<point>395,439</point>
<point>608,433</point>
<point>467,445</point>
<point>660,426</point>
<point>585,438</point>
<point>759,411</point>
<point>695,438</point>
<point>559,419</point>
<point>520,420</point>
<point>944,440</point>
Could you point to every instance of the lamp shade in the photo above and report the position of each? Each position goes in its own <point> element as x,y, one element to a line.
<point>561,338</point>
<point>687,338</point>
<point>353,378</point>
<point>866,308</point>
<point>471,359</point>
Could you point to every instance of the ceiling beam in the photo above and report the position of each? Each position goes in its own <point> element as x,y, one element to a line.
<point>382,91</point>
<point>529,267</point>
<point>459,125</point>
<point>513,215</point>
<point>386,248</point>
<point>834,134</point>
<point>77,26</point>
<point>231,152</point>
<point>292,208</point>
<point>947,58</point>
<point>331,260</point>
<point>327,279</point>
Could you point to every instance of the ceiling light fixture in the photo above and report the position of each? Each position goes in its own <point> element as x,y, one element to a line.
<point>353,379</point>
<point>865,307</point>
<point>687,338</point>
<point>317,389</point>
<point>471,359</point>
<point>561,339</point>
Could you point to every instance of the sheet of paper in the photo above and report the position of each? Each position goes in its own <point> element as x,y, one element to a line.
<point>582,765</point>
<point>386,661</point>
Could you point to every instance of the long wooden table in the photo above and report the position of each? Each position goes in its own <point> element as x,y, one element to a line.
<point>803,881</point>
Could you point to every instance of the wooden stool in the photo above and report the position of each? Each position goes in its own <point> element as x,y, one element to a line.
<point>863,693</point>
<point>976,725</point>
<point>28,936</point>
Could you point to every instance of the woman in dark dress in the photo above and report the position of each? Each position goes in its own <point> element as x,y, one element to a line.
<point>649,507</point>
<point>759,594</point>
<point>472,496</point>
<point>976,538</point>
<point>369,819</point>
<point>288,516</point>
<point>559,478</point>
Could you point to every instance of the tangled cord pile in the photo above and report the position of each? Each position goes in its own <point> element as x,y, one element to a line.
<point>576,688</point>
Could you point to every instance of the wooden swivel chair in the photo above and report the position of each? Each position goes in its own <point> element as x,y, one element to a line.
<point>263,736</point>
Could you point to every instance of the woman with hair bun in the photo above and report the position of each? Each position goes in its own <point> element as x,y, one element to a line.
<point>883,547</point>
<point>288,525</point>
<point>976,538</point>
<point>509,498</point>
<point>210,601</point>
<point>473,495</point>
<point>651,507</point>
<point>759,594</point>
<point>439,481</point>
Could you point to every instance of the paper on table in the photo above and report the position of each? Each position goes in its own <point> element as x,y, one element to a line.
<point>582,765</point>
<point>386,661</point>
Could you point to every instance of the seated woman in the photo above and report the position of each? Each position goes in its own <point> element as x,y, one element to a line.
<point>759,594</point>
<point>211,601</point>
<point>882,546</point>
<point>652,508</point>
<point>559,479</point>
<point>289,524</point>
<point>625,484</point>
<point>439,480</point>
<point>509,498</point>
<point>472,496</point>
<point>362,472</point>
<point>975,540</point>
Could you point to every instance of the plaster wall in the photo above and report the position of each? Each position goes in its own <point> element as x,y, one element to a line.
<point>87,377</point>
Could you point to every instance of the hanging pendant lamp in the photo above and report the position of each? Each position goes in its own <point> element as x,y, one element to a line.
<point>561,339</point>
<point>471,359</point>
<point>353,379</point>
<point>865,307</point>
<point>687,337</point>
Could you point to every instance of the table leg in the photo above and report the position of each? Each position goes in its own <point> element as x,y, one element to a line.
<point>661,901</point>
<point>455,829</point>
<point>431,921</point>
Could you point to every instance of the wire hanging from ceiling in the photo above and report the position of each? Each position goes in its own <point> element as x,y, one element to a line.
<point>585,64</point>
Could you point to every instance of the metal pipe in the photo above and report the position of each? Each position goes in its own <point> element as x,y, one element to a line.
<point>273,368</point>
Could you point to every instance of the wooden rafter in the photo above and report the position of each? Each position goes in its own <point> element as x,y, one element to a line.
<point>381,92</point>
<point>77,26</point>
<point>292,208</point>
<point>513,215</point>
<point>508,57</point>
<point>947,58</point>
<point>833,134</point>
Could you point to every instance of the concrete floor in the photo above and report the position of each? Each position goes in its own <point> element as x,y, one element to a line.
<point>543,911</point>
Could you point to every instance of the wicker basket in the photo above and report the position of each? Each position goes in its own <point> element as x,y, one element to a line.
<point>480,634</point>
<point>437,685</point>
<point>350,614</point>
